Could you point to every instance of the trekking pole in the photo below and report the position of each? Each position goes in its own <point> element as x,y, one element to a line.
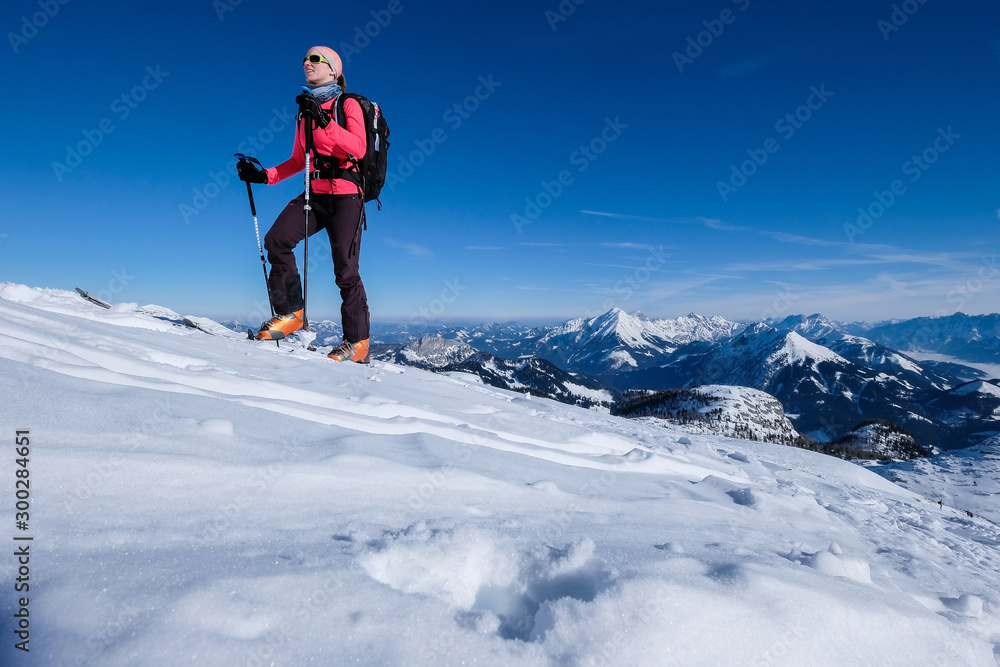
<point>256,228</point>
<point>308,127</point>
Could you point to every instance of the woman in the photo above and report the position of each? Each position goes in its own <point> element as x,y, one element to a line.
<point>336,205</point>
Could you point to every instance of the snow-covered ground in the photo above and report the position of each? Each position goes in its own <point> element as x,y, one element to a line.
<point>965,479</point>
<point>207,500</point>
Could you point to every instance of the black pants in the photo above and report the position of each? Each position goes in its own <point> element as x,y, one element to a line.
<point>340,216</point>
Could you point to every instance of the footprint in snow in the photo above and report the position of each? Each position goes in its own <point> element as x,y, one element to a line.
<point>744,497</point>
<point>966,605</point>
<point>545,485</point>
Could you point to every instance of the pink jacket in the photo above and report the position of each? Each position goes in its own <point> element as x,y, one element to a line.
<point>332,140</point>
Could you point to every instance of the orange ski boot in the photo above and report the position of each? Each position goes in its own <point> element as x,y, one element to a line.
<point>280,326</point>
<point>356,352</point>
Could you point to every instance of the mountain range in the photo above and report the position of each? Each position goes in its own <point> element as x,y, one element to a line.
<point>828,376</point>
<point>530,375</point>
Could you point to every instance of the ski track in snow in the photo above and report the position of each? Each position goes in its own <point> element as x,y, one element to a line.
<point>210,500</point>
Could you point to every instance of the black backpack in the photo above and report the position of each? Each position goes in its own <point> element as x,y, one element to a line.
<point>369,170</point>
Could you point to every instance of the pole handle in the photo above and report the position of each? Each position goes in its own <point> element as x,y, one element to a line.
<point>253,208</point>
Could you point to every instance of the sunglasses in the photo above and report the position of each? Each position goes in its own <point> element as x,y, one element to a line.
<point>315,59</point>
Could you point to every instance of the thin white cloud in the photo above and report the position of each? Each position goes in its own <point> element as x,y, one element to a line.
<point>630,246</point>
<point>797,239</point>
<point>948,260</point>
<point>802,265</point>
<point>624,267</point>
<point>626,216</point>
<point>412,248</point>
<point>722,226</point>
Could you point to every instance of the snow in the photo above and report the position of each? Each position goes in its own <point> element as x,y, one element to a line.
<point>964,480</point>
<point>585,392</point>
<point>202,499</point>
<point>798,350</point>
<point>696,327</point>
<point>887,356</point>
<point>978,387</point>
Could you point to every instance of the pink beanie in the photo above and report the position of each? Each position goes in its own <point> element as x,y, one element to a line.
<point>331,55</point>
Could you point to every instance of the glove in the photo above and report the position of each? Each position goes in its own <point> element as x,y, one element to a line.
<point>251,173</point>
<point>309,108</point>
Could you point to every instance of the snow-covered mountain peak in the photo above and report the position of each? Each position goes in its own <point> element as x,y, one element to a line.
<point>813,326</point>
<point>619,324</point>
<point>638,329</point>
<point>435,351</point>
<point>798,350</point>
<point>694,327</point>
<point>609,341</point>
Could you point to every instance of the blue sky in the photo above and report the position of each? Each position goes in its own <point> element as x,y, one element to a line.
<point>549,160</point>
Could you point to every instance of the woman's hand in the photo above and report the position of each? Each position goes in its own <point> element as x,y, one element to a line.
<point>251,173</point>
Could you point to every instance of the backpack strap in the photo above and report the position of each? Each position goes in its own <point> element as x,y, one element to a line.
<point>329,168</point>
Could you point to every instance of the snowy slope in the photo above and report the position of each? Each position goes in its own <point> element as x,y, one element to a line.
<point>965,479</point>
<point>208,500</point>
